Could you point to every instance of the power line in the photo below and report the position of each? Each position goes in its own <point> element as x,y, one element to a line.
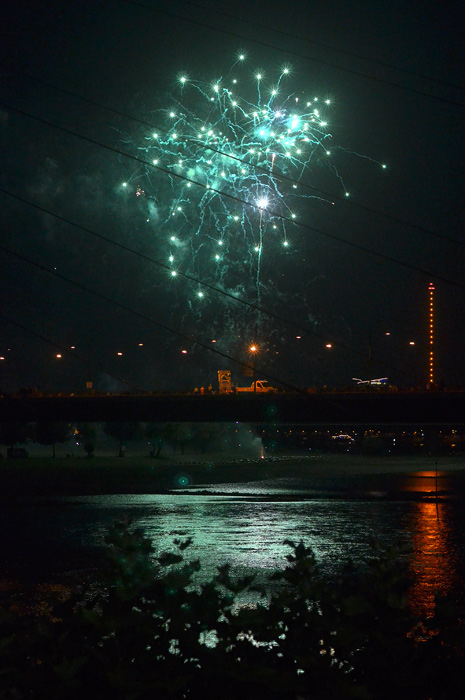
<point>321,233</point>
<point>144,317</point>
<point>62,349</point>
<point>267,45</point>
<point>312,229</point>
<point>322,45</point>
<point>143,256</point>
<point>260,168</point>
<point>148,258</point>
<point>363,248</point>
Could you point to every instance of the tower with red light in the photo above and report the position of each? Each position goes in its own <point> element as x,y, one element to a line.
<point>431,334</point>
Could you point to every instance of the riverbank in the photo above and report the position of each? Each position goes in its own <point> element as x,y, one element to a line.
<point>40,476</point>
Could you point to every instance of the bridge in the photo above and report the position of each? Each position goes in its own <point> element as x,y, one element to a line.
<point>441,408</point>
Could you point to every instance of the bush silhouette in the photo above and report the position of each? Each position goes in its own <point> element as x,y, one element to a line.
<point>150,630</point>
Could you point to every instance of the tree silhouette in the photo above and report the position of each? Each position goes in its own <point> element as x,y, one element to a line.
<point>46,433</point>
<point>86,434</point>
<point>123,432</point>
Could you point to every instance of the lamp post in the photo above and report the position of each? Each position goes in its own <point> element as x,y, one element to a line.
<point>253,349</point>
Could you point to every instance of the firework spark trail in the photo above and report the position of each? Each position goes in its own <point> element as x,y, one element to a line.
<point>264,129</point>
<point>256,144</point>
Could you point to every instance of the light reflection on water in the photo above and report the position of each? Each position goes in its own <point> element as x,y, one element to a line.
<point>248,531</point>
<point>434,562</point>
<point>427,482</point>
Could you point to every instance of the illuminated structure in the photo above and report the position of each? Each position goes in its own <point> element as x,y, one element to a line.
<point>431,334</point>
<point>224,381</point>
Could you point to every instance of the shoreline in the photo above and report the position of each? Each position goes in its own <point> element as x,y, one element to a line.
<point>323,472</point>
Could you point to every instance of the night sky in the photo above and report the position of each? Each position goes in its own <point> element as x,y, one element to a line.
<point>392,73</point>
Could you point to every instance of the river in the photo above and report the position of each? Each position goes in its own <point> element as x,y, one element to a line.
<point>44,539</point>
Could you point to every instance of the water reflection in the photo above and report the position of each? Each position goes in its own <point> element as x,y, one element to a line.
<point>427,482</point>
<point>249,533</point>
<point>41,538</point>
<point>434,561</point>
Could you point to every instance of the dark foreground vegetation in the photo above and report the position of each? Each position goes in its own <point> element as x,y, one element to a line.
<point>149,629</point>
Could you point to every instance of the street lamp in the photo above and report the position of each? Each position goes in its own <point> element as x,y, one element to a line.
<point>254,349</point>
